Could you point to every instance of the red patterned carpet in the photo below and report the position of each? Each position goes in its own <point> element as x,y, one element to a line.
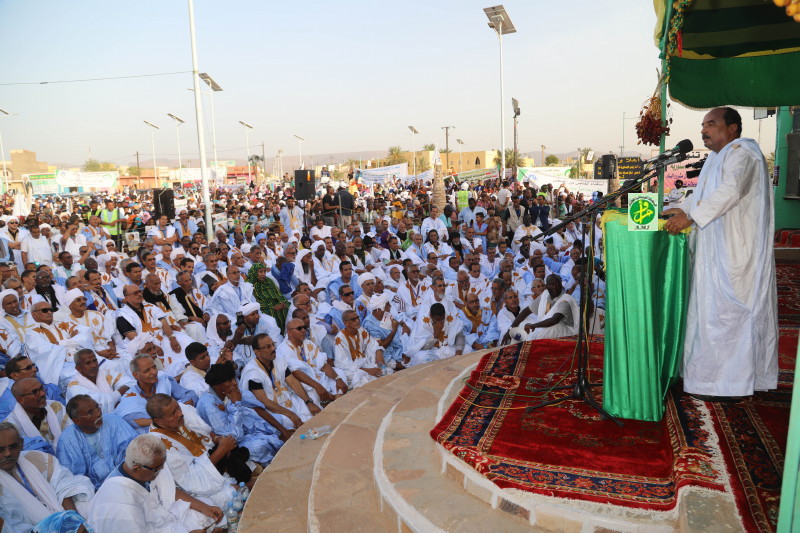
<point>788,278</point>
<point>567,451</point>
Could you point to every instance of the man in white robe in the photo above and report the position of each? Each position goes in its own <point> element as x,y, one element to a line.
<point>358,354</point>
<point>230,296</point>
<point>731,345</point>
<point>35,415</point>
<point>557,313</point>
<point>75,316</point>
<point>34,485</point>
<point>435,336</point>
<point>102,383</point>
<point>141,495</point>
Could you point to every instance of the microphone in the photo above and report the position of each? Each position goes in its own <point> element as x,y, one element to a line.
<point>672,156</point>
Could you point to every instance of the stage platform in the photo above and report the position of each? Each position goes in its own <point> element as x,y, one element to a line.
<point>381,471</point>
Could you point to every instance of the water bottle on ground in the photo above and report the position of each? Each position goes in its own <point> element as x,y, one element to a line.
<point>233,518</point>
<point>237,502</point>
<point>244,492</point>
<point>315,433</point>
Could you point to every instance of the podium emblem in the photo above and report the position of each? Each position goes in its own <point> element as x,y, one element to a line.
<point>642,210</point>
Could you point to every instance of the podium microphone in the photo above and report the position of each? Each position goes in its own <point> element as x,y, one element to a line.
<point>672,156</point>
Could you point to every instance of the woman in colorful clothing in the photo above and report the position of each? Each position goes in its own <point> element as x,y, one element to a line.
<point>268,295</point>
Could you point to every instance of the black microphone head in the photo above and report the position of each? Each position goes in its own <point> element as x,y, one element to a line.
<point>684,146</point>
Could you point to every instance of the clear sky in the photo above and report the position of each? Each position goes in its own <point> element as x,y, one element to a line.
<point>348,76</point>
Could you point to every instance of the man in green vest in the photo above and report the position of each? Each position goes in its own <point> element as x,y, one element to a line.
<point>112,217</point>
<point>462,197</point>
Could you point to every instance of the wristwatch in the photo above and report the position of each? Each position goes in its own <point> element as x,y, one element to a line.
<point>309,401</point>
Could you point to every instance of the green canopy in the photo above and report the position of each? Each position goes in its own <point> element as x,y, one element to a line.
<point>729,52</point>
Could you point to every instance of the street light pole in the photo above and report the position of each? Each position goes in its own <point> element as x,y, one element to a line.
<point>153,142</point>
<point>460,158</point>
<point>215,88</point>
<point>3,153</point>
<point>515,105</point>
<point>447,145</point>
<point>501,23</point>
<point>178,133</point>
<point>543,148</point>
<point>413,147</point>
<point>247,128</point>
<point>300,149</point>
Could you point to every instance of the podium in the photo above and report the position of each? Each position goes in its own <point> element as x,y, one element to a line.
<point>647,292</point>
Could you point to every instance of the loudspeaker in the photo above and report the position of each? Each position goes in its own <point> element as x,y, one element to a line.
<point>609,167</point>
<point>164,203</point>
<point>304,186</point>
<point>793,165</point>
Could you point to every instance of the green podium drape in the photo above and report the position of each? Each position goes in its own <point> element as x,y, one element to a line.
<point>647,282</point>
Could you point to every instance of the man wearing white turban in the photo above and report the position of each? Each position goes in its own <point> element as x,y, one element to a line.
<point>75,314</point>
<point>388,332</point>
<point>367,283</point>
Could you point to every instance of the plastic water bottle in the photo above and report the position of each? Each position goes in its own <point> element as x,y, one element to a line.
<point>237,502</point>
<point>233,518</point>
<point>244,492</point>
<point>315,433</point>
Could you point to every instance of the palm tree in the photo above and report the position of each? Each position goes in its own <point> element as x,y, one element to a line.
<point>395,156</point>
<point>422,165</point>
<point>513,159</point>
<point>429,147</point>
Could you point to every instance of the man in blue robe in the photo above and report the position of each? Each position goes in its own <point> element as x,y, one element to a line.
<point>95,444</point>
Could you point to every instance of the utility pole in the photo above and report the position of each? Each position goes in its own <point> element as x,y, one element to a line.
<point>447,145</point>
<point>139,168</point>
<point>543,147</point>
<point>264,160</point>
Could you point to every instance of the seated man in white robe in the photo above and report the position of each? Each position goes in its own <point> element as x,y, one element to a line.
<point>390,334</point>
<point>230,296</point>
<point>253,322</point>
<point>557,315</point>
<point>35,415</point>
<point>220,338</point>
<point>141,495</point>
<point>34,485</point>
<point>281,395</point>
<point>480,325</point>
<point>509,313</point>
<point>192,457</point>
<point>193,378</point>
<point>148,382</point>
<point>11,325</point>
<point>104,384</point>
<point>358,355</point>
<point>345,302</point>
<point>437,336</point>
<point>438,293</point>
<point>143,325</point>
<point>310,366</point>
<point>95,443</point>
<point>51,347</point>
<point>188,304</point>
<point>75,316</point>
<point>411,291</point>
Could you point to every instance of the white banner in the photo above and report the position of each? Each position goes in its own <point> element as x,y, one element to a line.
<point>382,173</point>
<point>87,180</point>
<point>215,174</point>
<point>426,177</point>
<point>478,175</point>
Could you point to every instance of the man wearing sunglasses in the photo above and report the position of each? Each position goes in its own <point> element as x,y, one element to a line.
<point>33,477</point>
<point>35,415</point>
<point>21,367</point>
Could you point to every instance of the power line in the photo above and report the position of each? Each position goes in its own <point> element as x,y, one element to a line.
<point>97,79</point>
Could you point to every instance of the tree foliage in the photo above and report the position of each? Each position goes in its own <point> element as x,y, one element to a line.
<point>93,165</point>
<point>429,147</point>
<point>395,156</point>
<point>513,159</point>
<point>551,160</point>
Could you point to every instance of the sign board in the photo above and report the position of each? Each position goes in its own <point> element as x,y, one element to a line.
<point>380,174</point>
<point>42,183</point>
<point>478,175</point>
<point>642,211</point>
<point>87,180</point>
<point>629,168</point>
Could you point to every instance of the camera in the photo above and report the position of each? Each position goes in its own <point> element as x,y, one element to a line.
<point>239,318</point>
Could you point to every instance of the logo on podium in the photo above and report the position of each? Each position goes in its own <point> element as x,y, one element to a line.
<point>642,210</point>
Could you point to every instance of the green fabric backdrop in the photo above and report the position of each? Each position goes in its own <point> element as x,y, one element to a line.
<point>647,282</point>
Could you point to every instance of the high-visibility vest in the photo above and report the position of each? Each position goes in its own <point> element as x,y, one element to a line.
<point>111,216</point>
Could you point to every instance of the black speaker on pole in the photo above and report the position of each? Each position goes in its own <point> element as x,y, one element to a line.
<point>608,167</point>
<point>304,186</point>
<point>164,203</point>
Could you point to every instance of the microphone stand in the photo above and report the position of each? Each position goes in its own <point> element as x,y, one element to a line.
<point>581,390</point>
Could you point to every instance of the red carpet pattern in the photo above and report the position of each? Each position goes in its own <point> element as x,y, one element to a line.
<point>788,278</point>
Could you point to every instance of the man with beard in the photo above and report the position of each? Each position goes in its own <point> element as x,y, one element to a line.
<point>480,325</point>
<point>75,317</point>
<point>187,304</point>
<point>230,297</point>
<point>556,311</point>
<point>105,385</point>
<point>46,290</point>
<point>95,443</point>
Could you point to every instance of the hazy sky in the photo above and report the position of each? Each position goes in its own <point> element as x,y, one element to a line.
<point>348,76</point>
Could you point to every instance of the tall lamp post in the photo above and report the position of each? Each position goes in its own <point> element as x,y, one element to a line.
<point>300,149</point>
<point>153,142</point>
<point>3,153</point>
<point>215,88</point>
<point>501,24</point>
<point>178,121</point>
<point>515,105</point>
<point>247,128</point>
<point>447,145</point>
<point>413,146</point>
<point>460,158</point>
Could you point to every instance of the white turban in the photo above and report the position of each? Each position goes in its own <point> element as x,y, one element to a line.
<point>176,252</point>
<point>365,277</point>
<point>71,296</point>
<point>248,308</point>
<point>180,210</point>
<point>8,292</point>
<point>379,301</point>
<point>245,248</point>
<point>317,245</point>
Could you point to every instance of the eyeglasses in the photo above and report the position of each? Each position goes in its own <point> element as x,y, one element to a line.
<point>37,390</point>
<point>45,310</point>
<point>347,293</point>
<point>300,328</point>
<point>150,468</point>
<point>29,367</point>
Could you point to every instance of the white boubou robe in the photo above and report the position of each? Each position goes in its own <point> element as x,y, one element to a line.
<point>53,424</point>
<point>353,354</point>
<point>545,307</point>
<point>275,388</point>
<point>731,345</point>
<point>424,347</point>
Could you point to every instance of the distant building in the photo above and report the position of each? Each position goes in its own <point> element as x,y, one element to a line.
<point>22,162</point>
